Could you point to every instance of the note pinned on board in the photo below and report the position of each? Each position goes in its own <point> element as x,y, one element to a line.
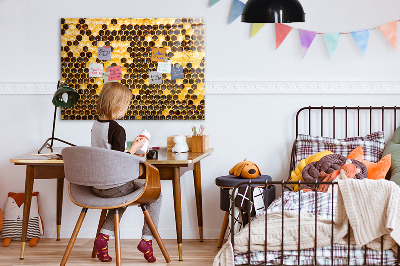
<point>115,73</point>
<point>158,54</point>
<point>164,67</point>
<point>95,70</point>
<point>104,53</point>
<point>177,72</point>
<point>106,74</point>
<point>155,77</point>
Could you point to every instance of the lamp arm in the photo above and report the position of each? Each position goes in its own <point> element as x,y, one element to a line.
<point>54,126</point>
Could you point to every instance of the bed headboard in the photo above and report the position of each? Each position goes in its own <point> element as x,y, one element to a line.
<point>344,121</point>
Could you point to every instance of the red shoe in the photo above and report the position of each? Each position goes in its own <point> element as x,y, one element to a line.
<point>146,247</point>
<point>101,245</point>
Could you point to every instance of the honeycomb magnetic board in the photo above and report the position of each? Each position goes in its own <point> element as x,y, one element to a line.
<point>131,41</point>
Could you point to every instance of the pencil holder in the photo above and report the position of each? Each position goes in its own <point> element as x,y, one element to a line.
<point>200,143</point>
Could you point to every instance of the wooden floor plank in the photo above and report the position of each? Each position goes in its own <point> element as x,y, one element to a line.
<point>49,252</point>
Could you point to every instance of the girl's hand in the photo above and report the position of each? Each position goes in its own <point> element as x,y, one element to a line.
<point>137,144</point>
<point>142,155</point>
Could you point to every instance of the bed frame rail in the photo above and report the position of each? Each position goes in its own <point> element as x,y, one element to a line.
<point>343,119</point>
<point>336,122</point>
<point>265,185</point>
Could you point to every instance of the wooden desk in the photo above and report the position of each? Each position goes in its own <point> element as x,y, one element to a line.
<point>168,164</point>
<point>40,167</point>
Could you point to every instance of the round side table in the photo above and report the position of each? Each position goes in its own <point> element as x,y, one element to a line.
<point>226,183</point>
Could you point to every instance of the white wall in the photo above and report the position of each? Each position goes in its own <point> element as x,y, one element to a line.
<point>258,126</point>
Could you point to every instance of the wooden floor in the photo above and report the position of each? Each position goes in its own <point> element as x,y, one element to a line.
<point>50,252</point>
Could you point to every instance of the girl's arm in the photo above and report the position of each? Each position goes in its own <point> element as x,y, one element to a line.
<point>136,145</point>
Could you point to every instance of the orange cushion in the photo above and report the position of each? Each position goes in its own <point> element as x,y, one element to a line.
<point>375,170</point>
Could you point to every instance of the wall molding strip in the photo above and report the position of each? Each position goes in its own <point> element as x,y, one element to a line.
<point>250,87</point>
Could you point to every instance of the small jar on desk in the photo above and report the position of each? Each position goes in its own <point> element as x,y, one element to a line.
<point>226,183</point>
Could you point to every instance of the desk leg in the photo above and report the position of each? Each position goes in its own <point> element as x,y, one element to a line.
<point>60,190</point>
<point>199,204</point>
<point>176,182</point>
<point>27,206</point>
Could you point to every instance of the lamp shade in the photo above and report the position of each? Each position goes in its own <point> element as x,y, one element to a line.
<point>65,96</point>
<point>273,11</point>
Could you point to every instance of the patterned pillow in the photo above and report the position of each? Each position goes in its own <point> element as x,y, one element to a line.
<point>372,144</point>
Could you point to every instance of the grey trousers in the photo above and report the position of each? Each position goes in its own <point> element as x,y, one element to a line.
<point>153,208</point>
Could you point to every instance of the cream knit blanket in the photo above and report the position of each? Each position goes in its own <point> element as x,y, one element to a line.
<point>372,207</point>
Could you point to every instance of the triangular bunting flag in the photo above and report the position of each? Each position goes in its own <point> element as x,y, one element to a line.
<point>255,28</point>
<point>281,31</point>
<point>306,39</point>
<point>361,37</point>
<point>212,2</point>
<point>237,9</point>
<point>390,32</point>
<point>332,41</point>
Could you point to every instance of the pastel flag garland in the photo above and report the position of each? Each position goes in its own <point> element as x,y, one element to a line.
<point>237,8</point>
<point>332,41</point>
<point>306,39</point>
<point>281,31</point>
<point>389,30</point>
<point>213,2</point>
<point>361,37</point>
<point>256,27</point>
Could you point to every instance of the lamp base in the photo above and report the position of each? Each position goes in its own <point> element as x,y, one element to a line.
<point>50,146</point>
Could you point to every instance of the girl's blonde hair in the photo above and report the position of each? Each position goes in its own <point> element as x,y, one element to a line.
<point>113,97</point>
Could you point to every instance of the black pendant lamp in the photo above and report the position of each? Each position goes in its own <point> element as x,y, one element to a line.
<point>273,11</point>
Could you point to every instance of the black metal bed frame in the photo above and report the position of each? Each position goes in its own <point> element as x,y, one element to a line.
<point>283,184</point>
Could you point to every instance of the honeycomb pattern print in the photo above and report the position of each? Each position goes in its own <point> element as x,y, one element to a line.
<point>131,41</point>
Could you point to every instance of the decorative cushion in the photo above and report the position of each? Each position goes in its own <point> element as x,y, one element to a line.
<point>375,170</point>
<point>327,165</point>
<point>393,148</point>
<point>372,144</point>
<point>296,174</point>
<point>13,216</point>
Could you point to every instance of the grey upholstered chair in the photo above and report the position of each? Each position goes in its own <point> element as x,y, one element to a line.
<point>85,167</point>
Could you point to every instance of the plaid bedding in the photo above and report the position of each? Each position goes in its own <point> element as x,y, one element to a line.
<point>372,145</point>
<point>322,207</point>
<point>324,257</point>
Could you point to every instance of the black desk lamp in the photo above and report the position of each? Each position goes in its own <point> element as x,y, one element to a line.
<point>64,97</point>
<point>273,11</point>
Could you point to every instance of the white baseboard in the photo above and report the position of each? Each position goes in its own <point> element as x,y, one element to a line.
<point>248,87</point>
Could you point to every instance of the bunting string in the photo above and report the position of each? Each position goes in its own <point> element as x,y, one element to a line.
<point>361,37</point>
<point>343,33</point>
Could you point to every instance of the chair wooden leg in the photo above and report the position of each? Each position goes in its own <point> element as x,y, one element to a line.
<point>73,237</point>
<point>101,222</point>
<point>117,239</point>
<point>154,230</point>
<point>223,229</point>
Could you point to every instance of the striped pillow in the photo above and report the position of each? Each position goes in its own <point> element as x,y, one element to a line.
<point>372,145</point>
<point>13,228</point>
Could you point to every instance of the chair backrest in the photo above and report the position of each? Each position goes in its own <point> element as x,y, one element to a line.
<point>92,166</point>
